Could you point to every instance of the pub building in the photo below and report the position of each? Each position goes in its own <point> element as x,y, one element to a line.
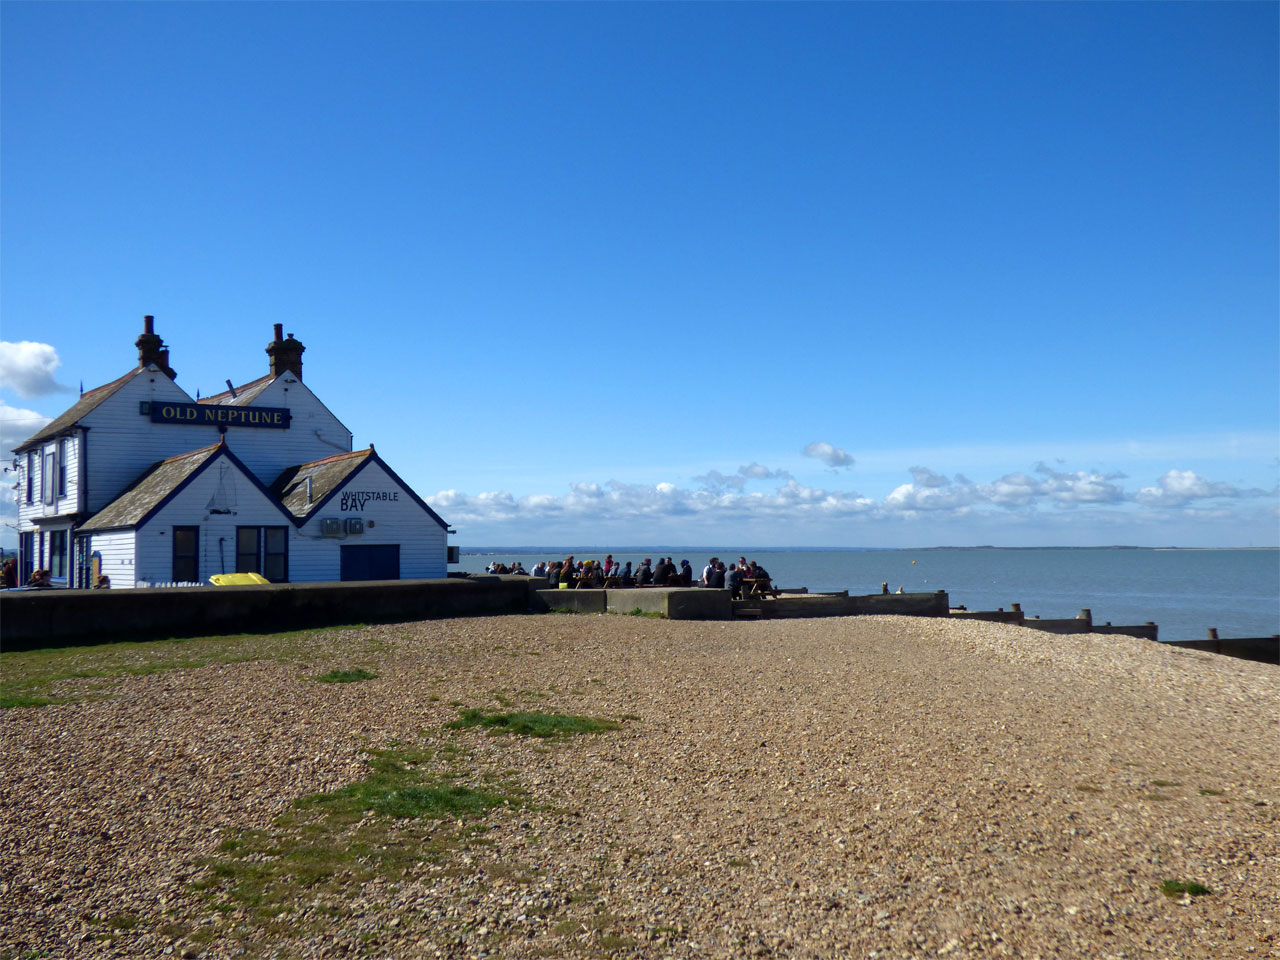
<point>142,483</point>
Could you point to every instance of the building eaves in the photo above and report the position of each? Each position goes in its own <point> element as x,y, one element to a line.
<point>150,491</point>
<point>88,402</point>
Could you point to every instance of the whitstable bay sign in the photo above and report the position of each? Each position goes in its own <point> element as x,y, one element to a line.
<point>204,414</point>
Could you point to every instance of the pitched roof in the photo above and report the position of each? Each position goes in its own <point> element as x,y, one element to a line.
<point>330,475</point>
<point>153,489</point>
<point>240,396</point>
<point>77,411</point>
<point>326,477</point>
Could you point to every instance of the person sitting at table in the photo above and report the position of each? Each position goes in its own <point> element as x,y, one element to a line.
<point>624,574</point>
<point>717,578</point>
<point>660,575</point>
<point>733,580</point>
<point>567,572</point>
<point>644,574</point>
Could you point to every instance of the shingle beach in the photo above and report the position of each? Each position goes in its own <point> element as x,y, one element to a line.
<point>883,787</point>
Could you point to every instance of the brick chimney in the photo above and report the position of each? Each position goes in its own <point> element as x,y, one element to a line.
<point>285,354</point>
<point>151,348</point>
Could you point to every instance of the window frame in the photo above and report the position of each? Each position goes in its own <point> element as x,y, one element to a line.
<point>260,555</point>
<point>58,542</point>
<point>192,558</point>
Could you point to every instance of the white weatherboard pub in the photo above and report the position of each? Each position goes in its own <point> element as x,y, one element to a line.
<point>143,483</point>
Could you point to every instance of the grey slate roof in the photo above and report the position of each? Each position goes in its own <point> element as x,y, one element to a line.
<point>327,475</point>
<point>149,491</point>
<point>244,395</point>
<point>77,411</point>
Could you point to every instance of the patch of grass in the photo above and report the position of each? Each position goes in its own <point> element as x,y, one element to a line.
<point>10,702</point>
<point>414,805</point>
<point>35,674</point>
<point>1155,796</point>
<point>533,724</point>
<point>1179,888</point>
<point>346,676</point>
<point>122,921</point>
<point>1088,788</point>
<point>1210,792</point>
<point>652,614</point>
<point>399,787</point>
<point>1165,783</point>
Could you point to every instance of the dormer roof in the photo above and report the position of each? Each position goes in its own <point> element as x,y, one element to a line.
<point>328,477</point>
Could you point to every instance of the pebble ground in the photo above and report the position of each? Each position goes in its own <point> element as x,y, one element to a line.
<point>876,787</point>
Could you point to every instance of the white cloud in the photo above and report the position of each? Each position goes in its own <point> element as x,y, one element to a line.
<point>830,455</point>
<point>28,368</point>
<point>1178,487</point>
<point>16,424</point>
<point>726,504</point>
<point>715,480</point>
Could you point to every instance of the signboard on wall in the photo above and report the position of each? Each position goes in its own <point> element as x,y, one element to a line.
<point>214,415</point>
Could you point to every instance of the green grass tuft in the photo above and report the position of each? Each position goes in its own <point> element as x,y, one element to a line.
<point>1178,888</point>
<point>9,702</point>
<point>346,676</point>
<point>533,724</point>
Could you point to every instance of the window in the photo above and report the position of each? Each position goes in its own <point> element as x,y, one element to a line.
<point>84,578</point>
<point>58,554</point>
<point>26,553</point>
<point>47,477</point>
<point>31,477</point>
<point>186,554</point>
<point>263,550</point>
<point>62,467</point>
<point>275,554</point>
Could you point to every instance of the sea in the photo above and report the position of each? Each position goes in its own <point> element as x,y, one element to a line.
<point>1184,591</point>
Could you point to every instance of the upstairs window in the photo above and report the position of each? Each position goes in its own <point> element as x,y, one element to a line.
<point>31,477</point>
<point>47,477</point>
<point>63,444</point>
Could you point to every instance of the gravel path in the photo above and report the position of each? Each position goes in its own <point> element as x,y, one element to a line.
<point>861,787</point>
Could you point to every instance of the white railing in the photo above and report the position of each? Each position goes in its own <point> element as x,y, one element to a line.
<point>154,584</point>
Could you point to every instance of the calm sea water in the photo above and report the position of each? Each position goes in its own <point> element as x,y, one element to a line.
<point>1184,591</point>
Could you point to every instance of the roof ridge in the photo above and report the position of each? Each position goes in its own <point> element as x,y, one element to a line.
<point>222,442</point>
<point>335,458</point>
<point>240,389</point>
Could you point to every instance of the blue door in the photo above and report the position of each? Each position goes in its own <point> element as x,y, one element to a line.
<point>371,561</point>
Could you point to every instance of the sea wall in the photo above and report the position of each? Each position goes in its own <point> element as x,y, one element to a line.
<point>44,618</point>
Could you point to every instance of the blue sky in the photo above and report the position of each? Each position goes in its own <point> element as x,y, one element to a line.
<point>772,274</point>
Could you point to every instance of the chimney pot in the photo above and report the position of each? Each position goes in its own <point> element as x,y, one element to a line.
<point>278,328</point>
<point>149,323</point>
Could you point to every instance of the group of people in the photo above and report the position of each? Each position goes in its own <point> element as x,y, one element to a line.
<point>742,578</point>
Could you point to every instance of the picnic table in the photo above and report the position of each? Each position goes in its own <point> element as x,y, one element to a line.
<point>758,587</point>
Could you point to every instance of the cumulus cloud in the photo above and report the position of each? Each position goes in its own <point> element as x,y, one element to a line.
<point>16,424</point>
<point>715,480</point>
<point>721,498</point>
<point>832,456</point>
<point>1080,487</point>
<point>28,368</point>
<point>1179,487</point>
